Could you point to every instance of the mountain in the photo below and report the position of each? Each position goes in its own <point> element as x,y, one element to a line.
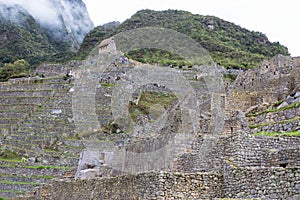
<point>43,31</point>
<point>229,45</point>
<point>71,23</point>
<point>21,36</point>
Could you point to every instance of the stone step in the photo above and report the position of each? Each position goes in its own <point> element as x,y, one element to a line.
<point>10,120</point>
<point>27,93</point>
<point>13,114</point>
<point>11,193</point>
<point>17,107</point>
<point>24,178</point>
<point>42,87</point>
<point>27,100</point>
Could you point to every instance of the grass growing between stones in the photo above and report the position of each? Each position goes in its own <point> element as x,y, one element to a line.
<point>273,134</point>
<point>108,85</point>
<point>34,167</point>
<point>14,160</point>
<point>294,105</point>
<point>12,191</point>
<point>272,123</point>
<point>19,183</point>
<point>8,155</point>
<point>47,167</point>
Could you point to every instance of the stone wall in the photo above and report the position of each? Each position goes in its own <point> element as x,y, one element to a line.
<point>207,155</point>
<point>284,118</point>
<point>262,151</point>
<point>151,185</point>
<point>279,127</point>
<point>54,70</point>
<point>241,183</point>
<point>261,183</point>
<point>270,82</point>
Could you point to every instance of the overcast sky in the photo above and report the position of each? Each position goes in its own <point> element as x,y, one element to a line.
<point>278,19</point>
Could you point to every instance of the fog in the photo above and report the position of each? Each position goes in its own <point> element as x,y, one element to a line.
<point>42,10</point>
<point>61,14</point>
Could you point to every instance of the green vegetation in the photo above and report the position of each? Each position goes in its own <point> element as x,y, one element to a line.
<point>230,77</point>
<point>294,105</point>
<point>6,154</point>
<point>29,42</point>
<point>272,134</point>
<point>162,57</point>
<point>12,191</point>
<point>94,37</point>
<point>47,167</point>
<point>35,166</point>
<point>151,104</point>
<point>228,44</point>
<point>19,68</point>
<point>23,42</point>
<point>108,85</point>
<point>271,123</point>
<point>15,160</point>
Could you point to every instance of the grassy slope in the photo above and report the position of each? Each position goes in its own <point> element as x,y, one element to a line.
<point>229,45</point>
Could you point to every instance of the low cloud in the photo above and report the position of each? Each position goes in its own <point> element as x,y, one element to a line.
<point>43,11</point>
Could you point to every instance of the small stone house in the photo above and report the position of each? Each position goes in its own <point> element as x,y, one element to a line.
<point>107,45</point>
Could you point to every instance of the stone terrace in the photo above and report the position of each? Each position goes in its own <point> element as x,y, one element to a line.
<point>36,120</point>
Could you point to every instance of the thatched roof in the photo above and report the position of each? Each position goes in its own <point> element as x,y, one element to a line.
<point>106,42</point>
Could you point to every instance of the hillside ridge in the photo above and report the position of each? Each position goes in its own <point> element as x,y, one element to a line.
<point>229,45</point>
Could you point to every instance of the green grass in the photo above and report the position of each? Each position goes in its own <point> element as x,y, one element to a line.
<point>15,160</point>
<point>6,165</point>
<point>19,183</point>
<point>47,167</point>
<point>35,167</point>
<point>50,151</point>
<point>294,105</point>
<point>228,44</point>
<point>150,100</point>
<point>12,191</point>
<point>273,134</point>
<point>108,85</point>
<point>271,123</point>
<point>6,154</point>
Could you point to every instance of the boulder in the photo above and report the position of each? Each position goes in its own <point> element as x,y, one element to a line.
<point>289,99</point>
<point>89,173</point>
<point>32,160</point>
<point>283,104</point>
<point>297,94</point>
<point>297,100</point>
<point>89,159</point>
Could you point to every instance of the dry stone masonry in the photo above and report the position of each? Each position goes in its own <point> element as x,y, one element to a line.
<point>37,123</point>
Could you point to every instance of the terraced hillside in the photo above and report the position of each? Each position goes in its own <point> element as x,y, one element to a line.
<point>41,139</point>
<point>36,121</point>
